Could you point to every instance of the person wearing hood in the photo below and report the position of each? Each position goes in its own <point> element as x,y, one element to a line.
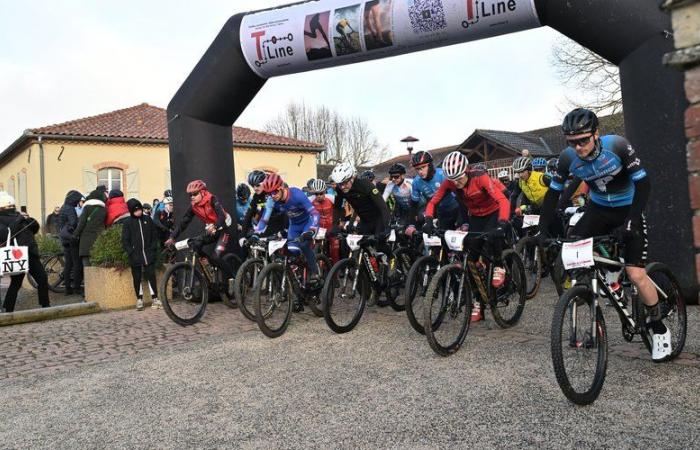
<point>90,224</point>
<point>117,211</point>
<point>140,242</point>
<point>67,223</point>
<point>22,228</point>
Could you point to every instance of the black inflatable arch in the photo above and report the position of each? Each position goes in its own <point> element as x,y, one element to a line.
<point>634,34</point>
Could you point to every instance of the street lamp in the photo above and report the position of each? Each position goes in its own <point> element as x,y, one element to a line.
<point>409,140</point>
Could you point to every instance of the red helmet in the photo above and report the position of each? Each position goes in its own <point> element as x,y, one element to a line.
<point>196,186</point>
<point>271,183</point>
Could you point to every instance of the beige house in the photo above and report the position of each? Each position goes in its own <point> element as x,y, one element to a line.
<point>128,150</point>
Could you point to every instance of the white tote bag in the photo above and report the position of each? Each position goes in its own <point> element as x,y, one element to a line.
<point>14,259</point>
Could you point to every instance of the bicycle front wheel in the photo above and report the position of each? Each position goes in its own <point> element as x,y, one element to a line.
<point>417,283</point>
<point>184,294</point>
<point>531,254</point>
<point>508,301</point>
<point>448,310</point>
<point>54,267</point>
<point>397,279</point>
<point>345,295</point>
<point>579,344</point>
<point>273,298</point>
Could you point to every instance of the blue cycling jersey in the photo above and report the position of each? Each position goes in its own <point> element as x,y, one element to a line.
<point>241,209</point>
<point>402,195</point>
<point>423,190</point>
<point>610,176</point>
<point>298,208</point>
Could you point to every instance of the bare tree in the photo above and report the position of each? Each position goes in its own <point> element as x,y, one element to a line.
<point>347,139</point>
<point>595,79</point>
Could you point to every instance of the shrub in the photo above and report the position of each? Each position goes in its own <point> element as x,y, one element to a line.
<point>49,245</point>
<point>107,251</point>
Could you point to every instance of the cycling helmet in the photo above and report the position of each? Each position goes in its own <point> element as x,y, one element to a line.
<point>272,183</point>
<point>522,163</point>
<point>367,175</point>
<point>420,158</point>
<point>310,182</point>
<point>580,121</point>
<point>455,165</point>
<point>539,163</point>
<point>167,200</point>
<point>503,174</point>
<point>552,164</point>
<point>343,172</point>
<point>167,193</point>
<point>397,168</point>
<point>243,191</point>
<point>256,177</point>
<point>318,187</point>
<point>196,186</point>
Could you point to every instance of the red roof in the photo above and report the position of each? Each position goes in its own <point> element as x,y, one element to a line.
<point>145,121</point>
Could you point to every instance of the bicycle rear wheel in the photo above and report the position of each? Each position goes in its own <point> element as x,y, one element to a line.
<point>531,254</point>
<point>243,286</point>
<point>345,295</point>
<point>184,294</point>
<point>54,267</point>
<point>508,301</point>
<point>672,306</point>
<point>422,271</point>
<point>314,300</point>
<point>273,300</point>
<point>397,279</point>
<point>580,360</point>
<point>448,310</point>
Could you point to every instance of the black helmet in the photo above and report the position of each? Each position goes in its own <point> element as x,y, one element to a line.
<point>167,193</point>
<point>310,182</point>
<point>243,191</point>
<point>420,158</point>
<point>367,175</point>
<point>580,121</point>
<point>397,168</point>
<point>256,177</point>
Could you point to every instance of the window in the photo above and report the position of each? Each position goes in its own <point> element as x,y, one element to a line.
<point>110,177</point>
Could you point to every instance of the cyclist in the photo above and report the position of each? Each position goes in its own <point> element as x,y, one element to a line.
<point>539,164</point>
<point>531,188</point>
<point>242,201</point>
<point>303,222</point>
<point>488,208</point>
<point>423,189</point>
<point>365,200</point>
<point>276,221</point>
<point>619,191</point>
<point>400,188</point>
<point>323,204</point>
<point>217,225</point>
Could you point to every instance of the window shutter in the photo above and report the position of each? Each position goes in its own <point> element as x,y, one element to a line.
<point>132,184</point>
<point>89,180</point>
<point>22,189</point>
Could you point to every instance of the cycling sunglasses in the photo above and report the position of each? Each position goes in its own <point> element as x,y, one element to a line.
<point>579,142</point>
<point>194,194</point>
<point>395,177</point>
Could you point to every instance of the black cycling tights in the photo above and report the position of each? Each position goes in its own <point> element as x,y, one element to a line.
<point>150,272</point>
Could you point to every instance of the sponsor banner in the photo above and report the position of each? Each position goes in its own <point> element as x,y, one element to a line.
<point>326,33</point>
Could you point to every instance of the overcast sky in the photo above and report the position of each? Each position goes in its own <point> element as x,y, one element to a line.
<point>71,59</point>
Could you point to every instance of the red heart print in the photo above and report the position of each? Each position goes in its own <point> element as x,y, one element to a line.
<point>17,253</point>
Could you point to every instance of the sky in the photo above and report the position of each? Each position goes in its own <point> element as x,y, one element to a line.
<point>66,60</point>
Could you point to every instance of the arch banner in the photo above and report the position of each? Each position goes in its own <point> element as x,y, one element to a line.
<point>326,33</point>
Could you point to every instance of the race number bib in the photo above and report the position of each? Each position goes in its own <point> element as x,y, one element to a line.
<point>353,241</point>
<point>431,241</point>
<point>577,254</point>
<point>575,218</point>
<point>455,239</point>
<point>531,220</point>
<point>320,234</point>
<point>276,245</point>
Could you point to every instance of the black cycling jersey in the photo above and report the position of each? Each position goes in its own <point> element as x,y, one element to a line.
<point>277,222</point>
<point>366,201</point>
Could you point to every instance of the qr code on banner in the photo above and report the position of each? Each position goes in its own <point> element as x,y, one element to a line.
<point>426,15</point>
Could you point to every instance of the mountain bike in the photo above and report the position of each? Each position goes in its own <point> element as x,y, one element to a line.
<point>449,297</point>
<point>186,285</point>
<point>53,265</point>
<point>579,338</point>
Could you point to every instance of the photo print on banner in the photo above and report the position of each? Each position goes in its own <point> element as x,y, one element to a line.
<point>346,33</point>
<point>316,41</point>
<point>378,24</point>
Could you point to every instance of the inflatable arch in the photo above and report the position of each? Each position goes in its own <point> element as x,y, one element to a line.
<point>254,46</point>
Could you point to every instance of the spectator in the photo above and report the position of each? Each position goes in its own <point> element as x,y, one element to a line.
<point>68,222</point>
<point>147,210</point>
<point>51,226</point>
<point>22,228</point>
<point>140,241</point>
<point>525,152</point>
<point>90,224</point>
<point>79,208</point>
<point>117,211</point>
<point>160,206</point>
<point>164,220</point>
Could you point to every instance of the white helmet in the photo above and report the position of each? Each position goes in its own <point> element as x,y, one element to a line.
<point>6,200</point>
<point>167,200</point>
<point>343,172</point>
<point>318,186</point>
<point>522,163</point>
<point>455,165</point>
<point>503,174</point>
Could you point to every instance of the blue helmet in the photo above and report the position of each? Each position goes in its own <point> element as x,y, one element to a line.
<point>539,163</point>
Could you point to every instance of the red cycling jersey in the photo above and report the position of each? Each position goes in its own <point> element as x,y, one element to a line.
<point>325,210</point>
<point>481,196</point>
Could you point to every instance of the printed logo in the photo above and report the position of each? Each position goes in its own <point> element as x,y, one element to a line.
<point>276,47</point>
<point>636,162</point>
<point>375,191</point>
<point>630,150</point>
<point>477,9</point>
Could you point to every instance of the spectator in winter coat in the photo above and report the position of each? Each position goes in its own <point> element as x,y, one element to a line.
<point>117,211</point>
<point>164,220</point>
<point>67,223</point>
<point>22,228</point>
<point>90,224</point>
<point>140,241</point>
<point>51,225</point>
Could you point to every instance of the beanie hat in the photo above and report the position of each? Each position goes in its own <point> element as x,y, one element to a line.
<point>133,205</point>
<point>115,193</point>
